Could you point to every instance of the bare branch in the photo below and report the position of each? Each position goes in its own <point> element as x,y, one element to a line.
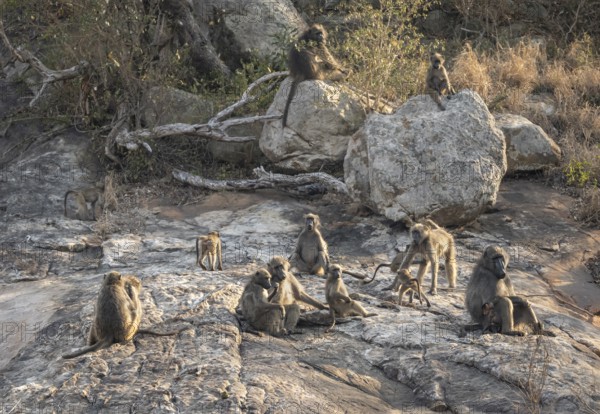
<point>48,75</point>
<point>265,180</point>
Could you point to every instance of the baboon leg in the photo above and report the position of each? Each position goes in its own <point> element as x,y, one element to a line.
<point>319,268</point>
<point>423,268</point>
<point>451,268</point>
<point>220,257</point>
<point>504,306</point>
<point>93,337</point>
<point>403,290</point>
<point>435,95</point>
<point>300,264</point>
<point>202,261</point>
<point>358,310</point>
<point>292,314</point>
<point>422,295</point>
<point>212,258</point>
<point>332,313</point>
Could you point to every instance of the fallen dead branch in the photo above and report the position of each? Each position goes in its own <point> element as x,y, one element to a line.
<point>265,179</point>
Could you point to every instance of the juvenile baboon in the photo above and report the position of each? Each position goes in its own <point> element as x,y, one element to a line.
<point>114,319</point>
<point>524,319</point>
<point>93,195</point>
<point>209,246</point>
<point>489,283</point>
<point>432,242</point>
<point>339,301</point>
<point>309,58</point>
<point>258,311</point>
<point>311,254</point>
<point>289,290</point>
<point>407,283</point>
<point>437,80</point>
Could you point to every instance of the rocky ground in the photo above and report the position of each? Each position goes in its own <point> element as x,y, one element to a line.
<point>406,359</point>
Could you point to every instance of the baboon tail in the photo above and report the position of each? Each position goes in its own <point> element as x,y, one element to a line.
<point>65,203</point>
<point>105,343</point>
<point>197,250</point>
<point>375,273</point>
<point>451,265</point>
<point>288,102</point>
<point>356,275</point>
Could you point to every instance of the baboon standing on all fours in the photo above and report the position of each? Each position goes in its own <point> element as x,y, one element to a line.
<point>209,246</point>
<point>257,310</point>
<point>406,283</point>
<point>489,283</point>
<point>437,81</point>
<point>432,242</point>
<point>309,58</point>
<point>93,195</point>
<point>311,254</point>
<point>339,301</point>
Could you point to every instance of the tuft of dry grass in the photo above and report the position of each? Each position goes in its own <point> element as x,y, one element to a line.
<point>472,71</point>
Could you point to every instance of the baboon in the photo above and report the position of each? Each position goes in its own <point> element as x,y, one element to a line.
<point>407,283</point>
<point>311,254</point>
<point>432,242</point>
<point>93,195</point>
<point>339,301</point>
<point>256,309</point>
<point>524,319</point>
<point>209,245</point>
<point>489,283</point>
<point>309,58</point>
<point>437,80</point>
<point>289,290</point>
<point>114,320</point>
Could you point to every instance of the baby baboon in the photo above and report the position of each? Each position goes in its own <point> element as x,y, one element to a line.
<point>289,290</point>
<point>432,242</point>
<point>437,80</point>
<point>339,301</point>
<point>210,245</point>
<point>524,319</point>
<point>309,58</point>
<point>93,195</point>
<point>256,309</point>
<point>311,254</point>
<point>114,320</point>
<point>407,283</point>
<point>489,283</point>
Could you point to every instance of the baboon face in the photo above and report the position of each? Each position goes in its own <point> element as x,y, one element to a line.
<point>335,271</point>
<point>497,260</point>
<point>263,278</point>
<point>312,221</point>
<point>419,232</point>
<point>437,60</point>
<point>316,33</point>
<point>278,266</point>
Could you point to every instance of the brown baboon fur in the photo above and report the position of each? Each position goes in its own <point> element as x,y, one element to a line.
<point>524,319</point>
<point>209,246</point>
<point>311,254</point>
<point>309,58</point>
<point>339,301</point>
<point>289,290</point>
<point>407,283</point>
<point>257,310</point>
<point>437,80</point>
<point>93,195</point>
<point>432,242</point>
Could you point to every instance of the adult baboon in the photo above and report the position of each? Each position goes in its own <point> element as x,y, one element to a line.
<point>437,80</point>
<point>289,290</point>
<point>489,283</point>
<point>339,301</point>
<point>407,283</point>
<point>311,254</point>
<point>209,246</point>
<point>114,320</point>
<point>258,311</point>
<point>524,319</point>
<point>93,195</point>
<point>309,58</point>
<point>432,242</point>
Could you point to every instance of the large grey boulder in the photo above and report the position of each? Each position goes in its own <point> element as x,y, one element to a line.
<point>322,118</point>
<point>528,147</point>
<point>422,161</point>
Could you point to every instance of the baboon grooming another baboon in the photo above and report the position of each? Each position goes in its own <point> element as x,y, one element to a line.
<point>489,283</point>
<point>524,319</point>
<point>407,283</point>
<point>288,290</point>
<point>209,246</point>
<point>432,242</point>
<point>437,80</point>
<point>311,254</point>
<point>256,309</point>
<point>93,195</point>
<point>309,58</point>
<point>339,301</point>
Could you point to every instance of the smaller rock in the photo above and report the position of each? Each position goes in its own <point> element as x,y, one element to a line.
<point>528,147</point>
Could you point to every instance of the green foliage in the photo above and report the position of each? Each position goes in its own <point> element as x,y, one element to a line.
<point>579,173</point>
